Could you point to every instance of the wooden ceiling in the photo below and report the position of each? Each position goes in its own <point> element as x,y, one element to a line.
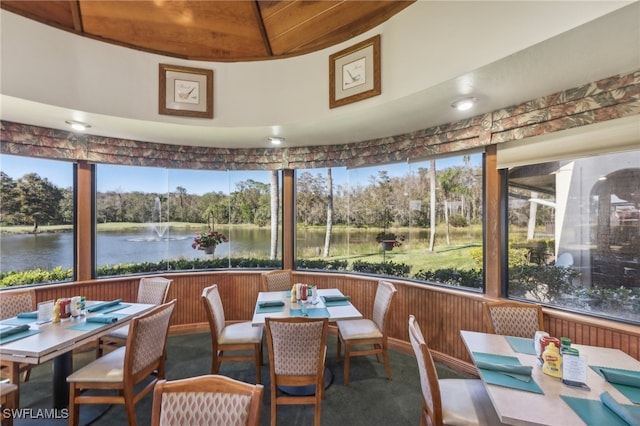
<point>224,31</point>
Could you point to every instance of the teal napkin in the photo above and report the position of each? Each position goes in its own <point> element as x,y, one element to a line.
<point>311,313</point>
<point>503,379</point>
<point>100,306</point>
<point>103,319</point>
<point>33,315</point>
<point>269,309</point>
<point>336,298</point>
<point>627,382</point>
<point>521,345</point>
<point>619,409</point>
<point>16,321</point>
<point>18,335</point>
<point>594,413</point>
<point>270,303</point>
<point>520,372</point>
<point>13,330</point>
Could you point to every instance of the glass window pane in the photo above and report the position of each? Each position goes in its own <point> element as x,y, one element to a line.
<point>381,220</point>
<point>36,213</point>
<point>574,236</point>
<point>155,219</point>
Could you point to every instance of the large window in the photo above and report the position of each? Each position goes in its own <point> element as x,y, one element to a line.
<point>36,219</point>
<point>418,220</point>
<point>574,234</point>
<point>148,219</point>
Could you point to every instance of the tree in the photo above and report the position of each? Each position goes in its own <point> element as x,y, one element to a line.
<point>451,183</point>
<point>432,203</point>
<point>327,237</point>
<point>9,202</point>
<point>39,199</point>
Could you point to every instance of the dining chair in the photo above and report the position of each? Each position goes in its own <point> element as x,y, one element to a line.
<point>241,336</point>
<point>297,354</point>
<point>12,304</point>
<point>8,402</point>
<point>278,280</point>
<point>206,400</point>
<point>510,318</point>
<point>152,291</point>
<point>448,401</point>
<point>143,356</point>
<point>371,333</point>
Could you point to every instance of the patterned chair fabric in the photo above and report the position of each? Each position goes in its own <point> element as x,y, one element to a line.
<point>152,291</point>
<point>510,318</point>
<point>142,357</point>
<point>368,332</point>
<point>448,401</point>
<point>206,400</point>
<point>13,303</point>
<point>277,280</point>
<point>297,352</point>
<point>235,337</point>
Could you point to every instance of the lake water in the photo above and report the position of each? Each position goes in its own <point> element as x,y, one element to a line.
<point>48,250</point>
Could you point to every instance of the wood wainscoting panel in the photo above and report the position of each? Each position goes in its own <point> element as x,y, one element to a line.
<point>441,312</point>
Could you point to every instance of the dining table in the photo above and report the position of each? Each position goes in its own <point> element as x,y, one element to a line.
<point>328,303</point>
<point>39,341</point>
<point>504,362</point>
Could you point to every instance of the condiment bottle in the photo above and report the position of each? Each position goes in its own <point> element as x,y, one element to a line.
<point>552,361</point>
<point>293,293</point>
<point>565,347</point>
<point>537,344</point>
<point>56,312</point>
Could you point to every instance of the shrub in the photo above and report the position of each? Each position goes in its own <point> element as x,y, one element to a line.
<point>456,277</point>
<point>458,221</point>
<point>321,264</point>
<point>385,268</point>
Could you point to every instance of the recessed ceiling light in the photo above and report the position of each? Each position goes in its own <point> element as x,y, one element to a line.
<point>276,140</point>
<point>78,125</point>
<point>464,103</point>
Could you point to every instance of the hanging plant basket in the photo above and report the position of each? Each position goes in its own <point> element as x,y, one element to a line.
<point>388,245</point>
<point>209,250</point>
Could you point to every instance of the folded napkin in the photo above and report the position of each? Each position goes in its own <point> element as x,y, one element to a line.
<point>520,372</point>
<point>102,319</point>
<point>619,409</point>
<point>14,330</point>
<point>336,298</point>
<point>271,303</point>
<point>103,305</point>
<point>621,378</point>
<point>33,315</point>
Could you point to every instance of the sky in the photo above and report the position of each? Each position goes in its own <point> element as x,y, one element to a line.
<point>148,179</point>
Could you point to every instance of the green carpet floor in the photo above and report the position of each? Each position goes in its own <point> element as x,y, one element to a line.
<point>370,399</point>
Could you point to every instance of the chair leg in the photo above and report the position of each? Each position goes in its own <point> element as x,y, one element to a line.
<point>215,361</point>
<point>74,409</point>
<point>316,415</point>
<point>99,351</point>
<point>339,347</point>
<point>387,366</point>
<point>130,407</point>
<point>347,360</point>
<point>274,406</point>
<point>27,374</point>
<point>258,355</point>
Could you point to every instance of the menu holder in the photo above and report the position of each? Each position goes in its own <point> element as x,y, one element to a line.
<point>45,312</point>
<point>574,371</point>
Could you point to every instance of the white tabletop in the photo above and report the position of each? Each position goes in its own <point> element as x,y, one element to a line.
<point>517,407</point>
<point>57,338</point>
<point>346,312</point>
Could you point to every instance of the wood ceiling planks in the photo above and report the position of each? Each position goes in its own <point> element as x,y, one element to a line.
<point>213,30</point>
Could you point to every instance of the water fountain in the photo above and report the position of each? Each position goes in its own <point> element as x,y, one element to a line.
<point>157,225</point>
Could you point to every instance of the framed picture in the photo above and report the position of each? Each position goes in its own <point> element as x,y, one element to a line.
<point>185,91</point>
<point>354,73</point>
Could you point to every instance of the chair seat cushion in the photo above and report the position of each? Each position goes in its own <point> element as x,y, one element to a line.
<point>120,333</point>
<point>359,329</point>
<point>7,388</point>
<point>466,402</point>
<point>108,368</point>
<point>242,332</point>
